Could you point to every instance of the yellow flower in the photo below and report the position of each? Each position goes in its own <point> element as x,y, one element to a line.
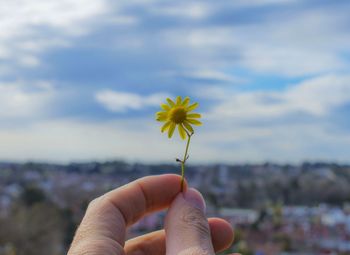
<point>178,114</point>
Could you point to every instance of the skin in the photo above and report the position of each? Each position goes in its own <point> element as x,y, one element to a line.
<point>187,230</point>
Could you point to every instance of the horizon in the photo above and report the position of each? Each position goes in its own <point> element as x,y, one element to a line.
<point>176,164</point>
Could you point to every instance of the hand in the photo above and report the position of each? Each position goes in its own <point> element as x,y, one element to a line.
<point>187,231</point>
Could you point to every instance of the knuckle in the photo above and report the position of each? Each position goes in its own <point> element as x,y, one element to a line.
<point>94,203</point>
<point>99,204</point>
<point>194,218</point>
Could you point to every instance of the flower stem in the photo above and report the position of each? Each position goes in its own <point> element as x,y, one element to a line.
<point>184,161</point>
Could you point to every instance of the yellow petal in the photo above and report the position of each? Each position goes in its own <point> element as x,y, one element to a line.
<point>170,102</point>
<point>165,107</point>
<point>194,115</point>
<point>186,102</point>
<point>194,122</point>
<point>188,126</point>
<point>165,126</point>
<point>161,113</point>
<point>182,132</point>
<point>171,129</point>
<point>161,119</point>
<point>178,100</point>
<point>162,116</point>
<point>192,107</point>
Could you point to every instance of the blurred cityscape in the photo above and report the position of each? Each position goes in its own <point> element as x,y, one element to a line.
<point>274,209</point>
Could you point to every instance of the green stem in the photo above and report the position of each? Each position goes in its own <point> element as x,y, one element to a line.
<point>182,175</point>
<point>184,161</point>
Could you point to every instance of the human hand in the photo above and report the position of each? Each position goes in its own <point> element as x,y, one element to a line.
<point>187,230</point>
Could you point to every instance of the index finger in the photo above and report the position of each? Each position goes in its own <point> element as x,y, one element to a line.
<point>109,215</point>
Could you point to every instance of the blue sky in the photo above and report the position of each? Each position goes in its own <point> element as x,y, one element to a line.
<point>81,79</point>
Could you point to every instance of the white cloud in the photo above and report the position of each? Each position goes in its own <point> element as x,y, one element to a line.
<point>209,74</point>
<point>280,44</point>
<point>289,41</point>
<point>212,75</point>
<point>320,95</point>
<point>317,97</point>
<point>285,42</point>
<point>123,20</point>
<point>19,17</point>
<point>292,143</point>
<point>243,3</point>
<point>29,61</point>
<point>139,139</point>
<point>40,44</point>
<point>30,27</point>
<point>18,101</point>
<point>116,101</point>
<point>290,61</point>
<point>224,137</point>
<point>70,140</point>
<point>192,10</point>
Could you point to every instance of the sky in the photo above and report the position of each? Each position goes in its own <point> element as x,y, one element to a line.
<point>80,80</point>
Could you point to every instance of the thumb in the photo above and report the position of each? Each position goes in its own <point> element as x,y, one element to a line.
<point>186,226</point>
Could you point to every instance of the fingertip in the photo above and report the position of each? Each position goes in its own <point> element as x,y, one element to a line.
<point>222,233</point>
<point>173,178</point>
<point>186,226</point>
<point>195,198</point>
<point>169,181</point>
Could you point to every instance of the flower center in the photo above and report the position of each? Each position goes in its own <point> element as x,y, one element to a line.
<point>178,115</point>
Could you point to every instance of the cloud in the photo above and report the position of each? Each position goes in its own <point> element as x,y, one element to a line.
<point>207,76</point>
<point>240,127</point>
<point>66,140</point>
<point>290,61</point>
<point>254,3</point>
<point>29,61</point>
<point>278,43</point>
<point>192,10</point>
<point>29,27</point>
<point>294,142</point>
<point>201,49</point>
<point>21,14</point>
<point>122,20</point>
<point>217,36</point>
<point>116,101</point>
<point>20,101</point>
<point>314,97</point>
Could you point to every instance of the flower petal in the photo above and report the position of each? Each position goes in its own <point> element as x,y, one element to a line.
<point>161,112</point>
<point>194,115</point>
<point>194,122</point>
<point>185,102</point>
<point>188,126</point>
<point>171,129</point>
<point>182,132</point>
<point>192,107</point>
<point>178,100</point>
<point>166,126</point>
<point>161,116</point>
<point>165,107</point>
<point>170,102</point>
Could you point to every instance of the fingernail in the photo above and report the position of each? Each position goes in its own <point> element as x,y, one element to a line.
<point>195,198</point>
